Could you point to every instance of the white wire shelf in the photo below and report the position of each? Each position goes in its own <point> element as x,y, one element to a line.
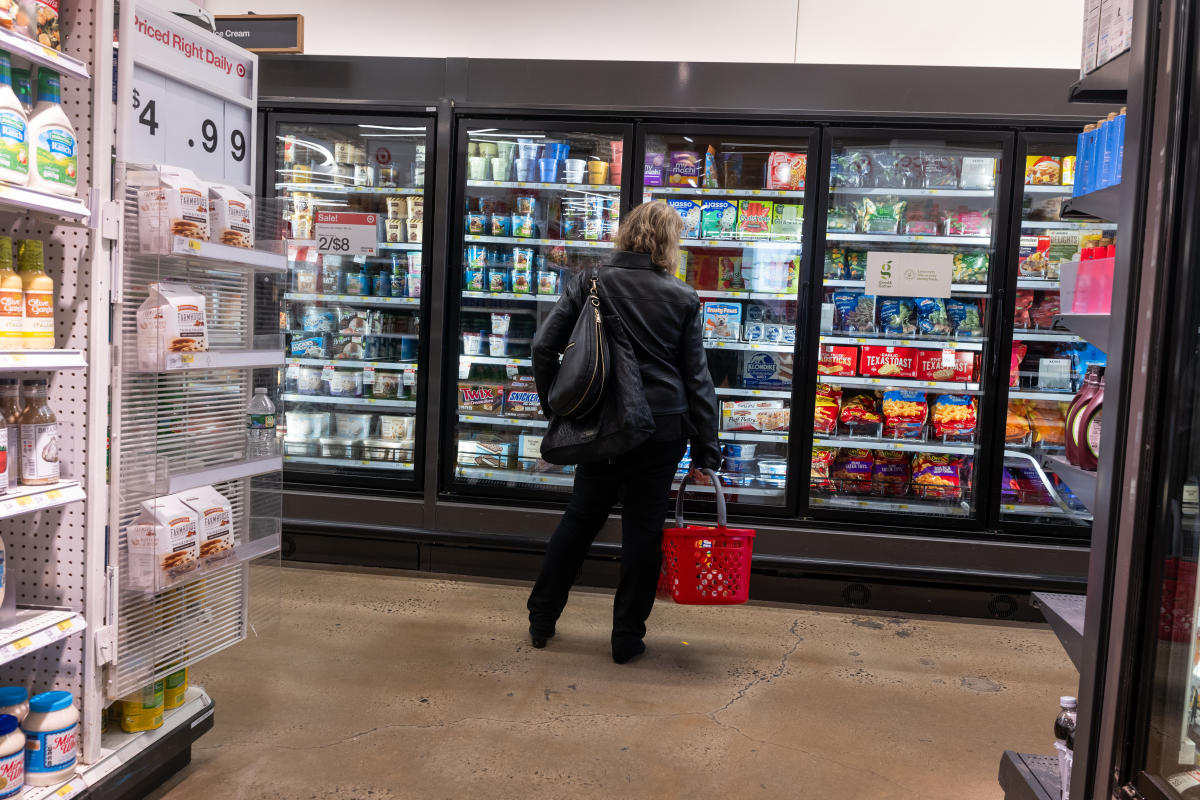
<point>524,296</point>
<point>1041,188</point>
<point>896,445</point>
<point>398,466</point>
<point>1023,335</point>
<point>352,299</point>
<point>747,436</point>
<point>27,499</point>
<point>747,295</point>
<point>849,283</point>
<point>743,244</point>
<point>1038,283</point>
<point>182,481</point>
<point>688,191</point>
<point>932,192</point>
<point>604,188</point>
<point>773,393</point>
<point>29,49</point>
<point>721,344</point>
<point>1022,394</point>
<point>536,242</point>
<point>496,360</point>
<point>1066,225</point>
<point>913,506</point>
<point>33,360</point>
<point>22,199</point>
<point>905,238</point>
<point>226,255</point>
<point>900,383</point>
<point>221,359</point>
<point>336,188</point>
<point>35,628</point>
<point>344,362</point>
<point>381,402</point>
<point>514,476</point>
<point>511,422</point>
<point>931,344</point>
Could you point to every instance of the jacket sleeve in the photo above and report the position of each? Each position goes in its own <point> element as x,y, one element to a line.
<point>701,396</point>
<point>552,338</point>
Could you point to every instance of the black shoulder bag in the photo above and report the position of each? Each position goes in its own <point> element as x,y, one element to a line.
<point>583,373</point>
<point>621,420</point>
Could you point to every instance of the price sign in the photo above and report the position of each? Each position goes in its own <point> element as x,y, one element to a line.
<point>344,233</point>
<point>188,97</point>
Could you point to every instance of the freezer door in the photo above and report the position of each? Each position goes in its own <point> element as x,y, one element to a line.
<point>353,320</point>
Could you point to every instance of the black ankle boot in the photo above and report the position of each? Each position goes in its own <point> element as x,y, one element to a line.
<point>539,637</point>
<point>625,652</point>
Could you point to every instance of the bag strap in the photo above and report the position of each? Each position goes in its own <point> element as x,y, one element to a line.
<point>716,482</point>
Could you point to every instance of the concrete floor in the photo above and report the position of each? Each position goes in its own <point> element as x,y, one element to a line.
<point>398,685</point>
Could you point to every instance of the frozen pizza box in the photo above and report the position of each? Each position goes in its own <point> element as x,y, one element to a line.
<point>838,360</point>
<point>888,362</point>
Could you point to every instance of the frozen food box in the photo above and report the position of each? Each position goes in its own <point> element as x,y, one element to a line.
<point>977,172</point>
<point>214,522</point>
<point>838,360</point>
<point>162,543</point>
<point>653,169</point>
<point>492,453</point>
<point>767,369</point>
<point>479,398</point>
<point>1043,170</point>
<point>888,362</point>
<point>718,219</point>
<point>731,275</point>
<point>787,220</point>
<point>529,451</point>
<point>946,365</point>
<point>522,400</point>
<point>755,415</point>
<point>754,218</point>
<point>684,168</point>
<point>723,321</point>
<point>786,170</point>
<point>689,212</point>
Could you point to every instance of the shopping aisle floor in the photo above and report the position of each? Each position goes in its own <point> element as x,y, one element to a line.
<point>398,685</point>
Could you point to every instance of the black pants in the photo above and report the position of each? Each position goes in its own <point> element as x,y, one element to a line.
<point>643,478</point>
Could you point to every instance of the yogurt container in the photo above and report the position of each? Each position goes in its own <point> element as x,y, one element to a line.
<point>740,450</point>
<point>772,469</point>
<point>733,464</point>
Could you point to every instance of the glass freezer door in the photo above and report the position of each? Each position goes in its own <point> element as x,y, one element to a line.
<point>740,193</point>
<point>1047,366</point>
<point>908,274</point>
<point>540,202</point>
<point>353,322</point>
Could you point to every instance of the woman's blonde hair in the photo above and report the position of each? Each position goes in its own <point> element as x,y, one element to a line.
<point>652,228</point>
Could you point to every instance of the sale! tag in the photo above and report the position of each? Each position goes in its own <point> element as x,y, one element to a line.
<point>344,233</point>
<point>410,376</point>
<point>949,358</point>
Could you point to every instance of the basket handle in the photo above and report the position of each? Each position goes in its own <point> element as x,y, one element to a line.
<point>716,482</point>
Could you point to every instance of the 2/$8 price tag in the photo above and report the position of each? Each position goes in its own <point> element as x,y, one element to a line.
<point>342,233</point>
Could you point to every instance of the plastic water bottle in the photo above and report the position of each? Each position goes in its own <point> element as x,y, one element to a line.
<point>260,426</point>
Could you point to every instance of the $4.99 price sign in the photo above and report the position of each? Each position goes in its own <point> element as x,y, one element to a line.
<point>343,233</point>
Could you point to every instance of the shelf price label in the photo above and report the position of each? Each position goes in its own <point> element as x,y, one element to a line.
<point>343,233</point>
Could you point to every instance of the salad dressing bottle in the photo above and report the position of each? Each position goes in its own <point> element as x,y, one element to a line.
<point>38,288</point>
<point>12,301</point>
<point>14,141</point>
<point>54,146</point>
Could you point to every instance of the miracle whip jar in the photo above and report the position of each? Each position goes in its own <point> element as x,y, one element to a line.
<point>51,738</point>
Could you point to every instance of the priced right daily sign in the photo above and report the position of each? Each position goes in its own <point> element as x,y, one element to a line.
<point>909,274</point>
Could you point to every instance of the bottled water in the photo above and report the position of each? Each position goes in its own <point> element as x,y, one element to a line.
<point>260,426</point>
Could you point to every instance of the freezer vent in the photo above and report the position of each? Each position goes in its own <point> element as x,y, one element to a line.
<point>856,594</point>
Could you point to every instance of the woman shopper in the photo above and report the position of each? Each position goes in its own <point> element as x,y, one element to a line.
<point>662,317</point>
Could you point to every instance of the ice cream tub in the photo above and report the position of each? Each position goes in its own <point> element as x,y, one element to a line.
<point>740,450</point>
<point>772,469</point>
<point>353,426</point>
<point>739,464</point>
<point>338,447</point>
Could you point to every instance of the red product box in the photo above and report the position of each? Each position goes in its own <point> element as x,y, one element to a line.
<point>888,362</point>
<point>932,365</point>
<point>838,360</point>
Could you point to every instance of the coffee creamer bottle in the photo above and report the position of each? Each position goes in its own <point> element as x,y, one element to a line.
<point>54,146</point>
<point>12,301</point>
<point>14,140</point>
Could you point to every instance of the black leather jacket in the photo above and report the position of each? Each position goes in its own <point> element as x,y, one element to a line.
<point>665,325</point>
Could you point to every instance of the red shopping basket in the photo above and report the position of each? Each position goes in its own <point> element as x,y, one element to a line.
<point>702,565</point>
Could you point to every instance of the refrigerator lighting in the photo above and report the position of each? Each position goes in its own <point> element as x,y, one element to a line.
<point>324,151</point>
<point>392,128</point>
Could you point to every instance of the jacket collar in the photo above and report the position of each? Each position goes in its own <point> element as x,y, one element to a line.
<point>628,260</point>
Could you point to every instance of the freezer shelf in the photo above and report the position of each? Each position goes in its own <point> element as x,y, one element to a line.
<point>746,295</point>
<point>896,445</point>
<point>902,238</point>
<point>514,476</point>
<point>536,242</point>
<point>352,299</point>
<point>742,244</point>
<point>528,298</point>
<point>847,283</point>
<point>889,505</point>
<point>936,344</point>
<point>710,344</point>
<point>1040,511</point>
<point>735,392</point>
<point>747,436</point>
<point>511,422</point>
<point>561,187</point>
<point>1076,225</point>
<point>496,360</point>
<point>913,192</point>
<point>403,466</point>
<point>1020,335</point>
<point>382,402</point>
<point>338,362</point>
<point>1022,394</point>
<point>334,188</point>
<point>688,191</point>
<point>900,383</point>
<point>1038,283</point>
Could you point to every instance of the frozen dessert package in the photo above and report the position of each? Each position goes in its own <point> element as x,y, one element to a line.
<point>685,168</point>
<point>754,219</point>
<point>689,212</point>
<point>723,321</point>
<point>978,172</point>
<point>654,168</point>
<point>786,171</point>
<point>787,221</point>
<point>710,178</point>
<point>718,219</point>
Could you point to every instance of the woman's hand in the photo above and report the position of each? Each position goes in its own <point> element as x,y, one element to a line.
<point>697,476</point>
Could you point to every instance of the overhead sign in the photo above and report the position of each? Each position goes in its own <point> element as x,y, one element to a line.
<point>263,33</point>
<point>344,233</point>
<point>909,274</point>
<point>188,97</point>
